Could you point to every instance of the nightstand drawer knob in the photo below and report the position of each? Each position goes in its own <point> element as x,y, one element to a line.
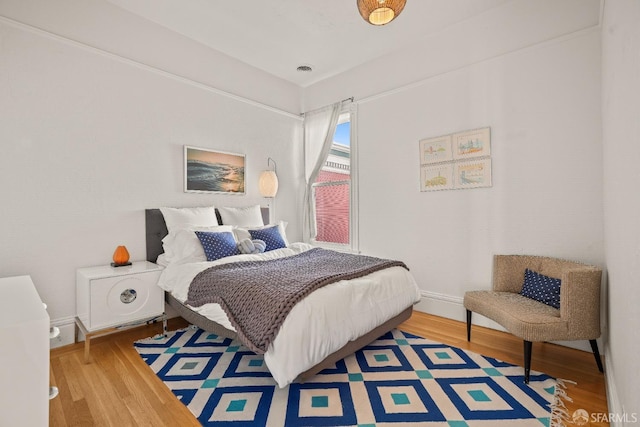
<point>128,296</point>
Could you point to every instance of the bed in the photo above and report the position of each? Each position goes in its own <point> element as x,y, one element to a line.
<point>327,325</point>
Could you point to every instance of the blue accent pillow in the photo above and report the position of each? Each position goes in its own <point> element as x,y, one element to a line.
<point>217,245</point>
<point>271,236</point>
<point>541,288</point>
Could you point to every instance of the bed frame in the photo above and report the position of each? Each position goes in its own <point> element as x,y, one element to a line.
<point>156,230</point>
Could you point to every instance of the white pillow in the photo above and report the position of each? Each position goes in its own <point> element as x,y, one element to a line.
<point>183,246</point>
<point>250,216</point>
<point>162,260</point>
<point>177,218</point>
<point>242,233</point>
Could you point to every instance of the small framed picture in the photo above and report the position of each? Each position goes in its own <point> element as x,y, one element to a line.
<point>472,174</point>
<point>472,143</point>
<point>209,171</point>
<point>436,177</point>
<point>435,150</point>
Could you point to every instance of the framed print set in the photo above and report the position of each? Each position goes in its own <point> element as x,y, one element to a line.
<point>209,171</point>
<point>456,161</point>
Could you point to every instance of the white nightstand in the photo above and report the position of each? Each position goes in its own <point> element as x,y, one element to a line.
<point>109,299</point>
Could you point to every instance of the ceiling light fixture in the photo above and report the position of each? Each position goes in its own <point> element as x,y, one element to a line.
<point>380,12</point>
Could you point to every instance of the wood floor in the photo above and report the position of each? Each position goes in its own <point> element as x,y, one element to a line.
<point>118,389</point>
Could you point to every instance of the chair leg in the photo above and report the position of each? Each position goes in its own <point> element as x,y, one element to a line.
<point>596,354</point>
<point>469,325</point>
<point>527,361</point>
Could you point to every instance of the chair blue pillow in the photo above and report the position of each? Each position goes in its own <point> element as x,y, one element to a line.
<point>217,245</point>
<point>541,288</point>
<point>271,236</point>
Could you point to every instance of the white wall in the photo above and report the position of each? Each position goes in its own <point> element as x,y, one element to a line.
<point>514,25</point>
<point>539,93</point>
<point>88,141</point>
<point>543,106</point>
<point>621,127</point>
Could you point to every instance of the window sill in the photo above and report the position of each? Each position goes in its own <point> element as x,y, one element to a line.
<point>338,247</point>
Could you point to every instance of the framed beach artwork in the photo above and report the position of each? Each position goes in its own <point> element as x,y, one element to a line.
<point>209,171</point>
<point>436,177</point>
<point>472,143</point>
<point>435,150</point>
<point>472,174</point>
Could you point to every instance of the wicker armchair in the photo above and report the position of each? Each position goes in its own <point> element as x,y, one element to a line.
<point>577,319</point>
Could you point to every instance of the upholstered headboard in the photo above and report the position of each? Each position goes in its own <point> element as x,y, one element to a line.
<point>156,230</point>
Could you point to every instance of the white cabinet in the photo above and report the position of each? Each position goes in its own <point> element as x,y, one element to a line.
<point>108,298</point>
<point>24,358</point>
<point>112,296</point>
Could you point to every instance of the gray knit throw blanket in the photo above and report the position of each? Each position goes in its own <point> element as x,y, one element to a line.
<point>258,295</point>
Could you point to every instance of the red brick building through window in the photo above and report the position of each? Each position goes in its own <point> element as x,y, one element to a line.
<point>332,197</point>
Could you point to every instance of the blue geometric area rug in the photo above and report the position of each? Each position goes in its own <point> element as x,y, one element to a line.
<point>400,379</point>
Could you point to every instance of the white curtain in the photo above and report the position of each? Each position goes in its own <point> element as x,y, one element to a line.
<point>319,128</point>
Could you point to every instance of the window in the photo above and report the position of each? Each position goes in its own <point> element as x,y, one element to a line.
<point>333,190</point>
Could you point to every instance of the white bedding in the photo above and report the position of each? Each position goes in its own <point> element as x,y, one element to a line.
<point>320,324</point>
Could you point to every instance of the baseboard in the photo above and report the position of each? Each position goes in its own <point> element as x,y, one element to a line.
<point>613,402</point>
<point>67,332</point>
<point>451,307</point>
<point>67,328</point>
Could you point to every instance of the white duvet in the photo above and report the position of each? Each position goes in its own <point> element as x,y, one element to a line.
<point>320,324</point>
